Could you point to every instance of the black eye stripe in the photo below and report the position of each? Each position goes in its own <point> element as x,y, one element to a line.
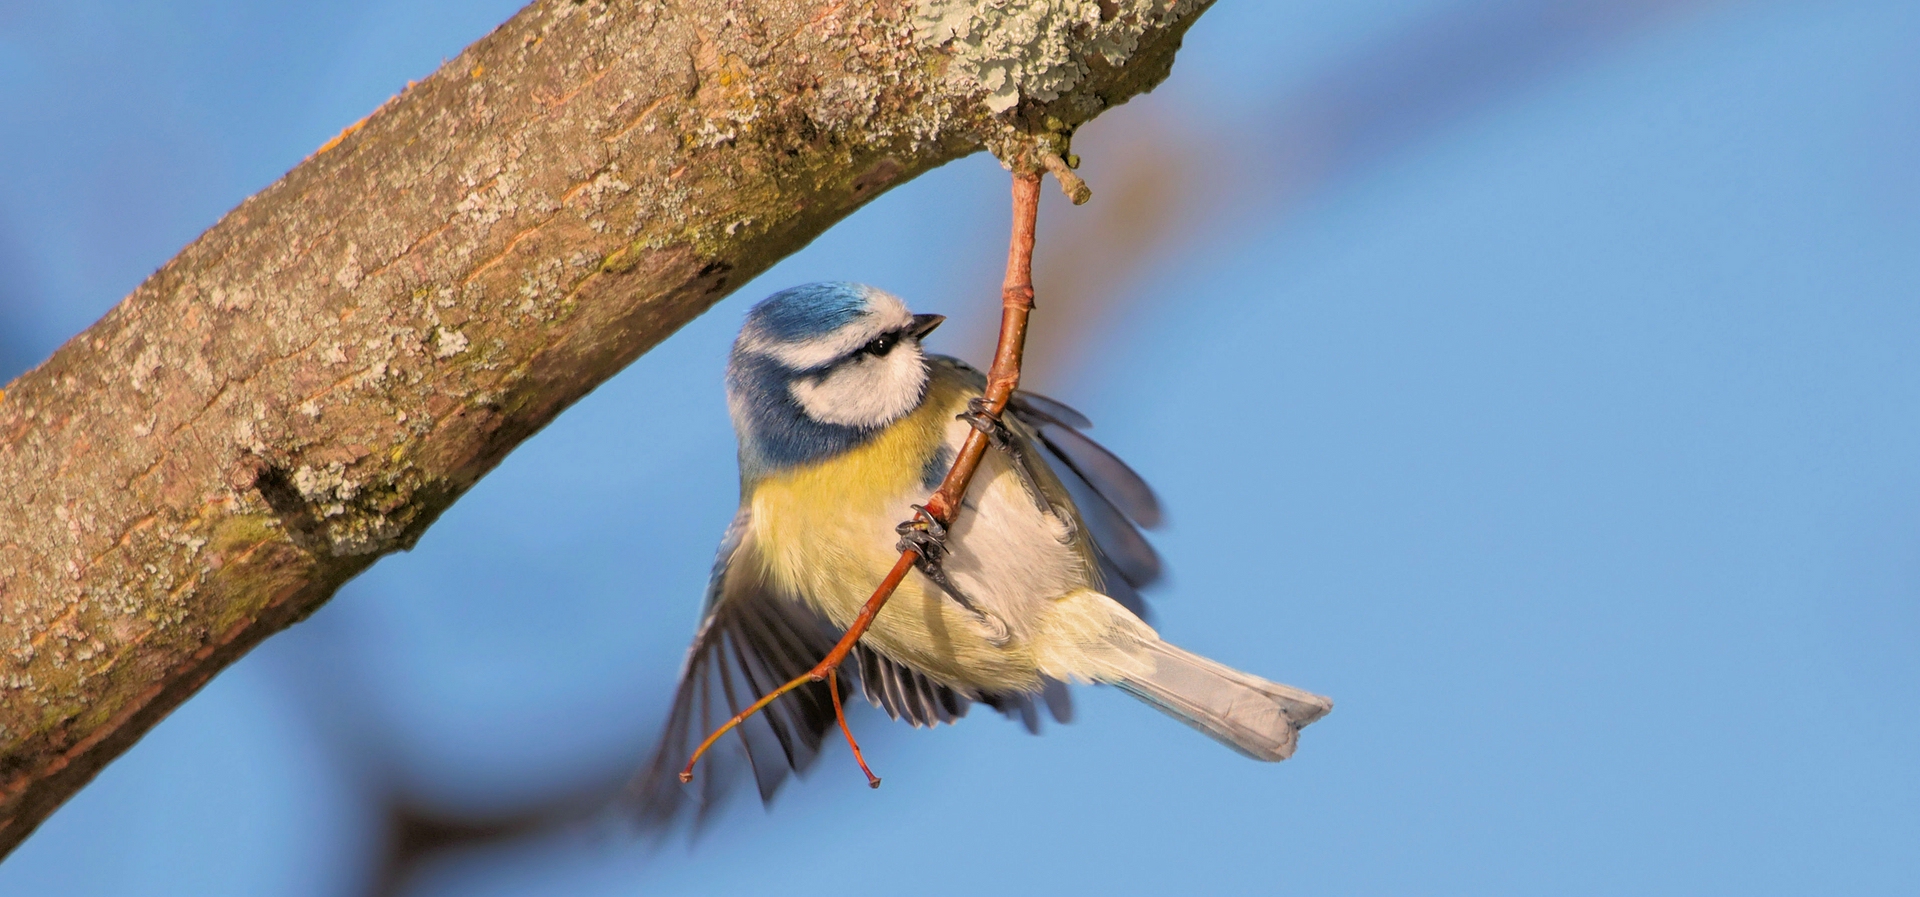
<point>884,343</point>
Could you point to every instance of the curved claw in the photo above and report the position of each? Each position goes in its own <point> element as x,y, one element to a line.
<point>980,419</point>
<point>923,535</point>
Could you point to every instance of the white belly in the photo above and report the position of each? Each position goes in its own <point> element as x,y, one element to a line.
<point>1009,557</point>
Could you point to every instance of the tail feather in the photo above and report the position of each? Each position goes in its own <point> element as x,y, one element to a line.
<point>1258,718</point>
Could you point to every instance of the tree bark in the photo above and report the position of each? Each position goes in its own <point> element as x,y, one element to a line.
<point>310,383</point>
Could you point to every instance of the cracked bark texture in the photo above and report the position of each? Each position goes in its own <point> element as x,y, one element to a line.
<point>306,386</point>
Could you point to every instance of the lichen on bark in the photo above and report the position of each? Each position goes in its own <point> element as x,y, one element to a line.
<point>1037,50</point>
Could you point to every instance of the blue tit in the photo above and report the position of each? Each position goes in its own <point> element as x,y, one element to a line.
<point>845,422</point>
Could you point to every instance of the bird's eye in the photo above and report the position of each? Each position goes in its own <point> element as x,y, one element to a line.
<point>882,344</point>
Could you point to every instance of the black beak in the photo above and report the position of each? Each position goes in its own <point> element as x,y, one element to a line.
<point>924,324</point>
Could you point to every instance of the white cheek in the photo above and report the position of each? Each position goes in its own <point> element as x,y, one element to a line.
<point>868,392</point>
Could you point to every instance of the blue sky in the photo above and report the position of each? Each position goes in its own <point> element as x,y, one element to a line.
<point>1556,415</point>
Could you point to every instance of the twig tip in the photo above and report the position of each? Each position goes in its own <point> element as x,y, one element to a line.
<point>1071,184</point>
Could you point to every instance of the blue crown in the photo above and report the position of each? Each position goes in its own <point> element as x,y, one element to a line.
<point>810,310</point>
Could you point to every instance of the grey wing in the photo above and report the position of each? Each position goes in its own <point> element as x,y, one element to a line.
<point>1114,502</point>
<point>751,640</point>
<point>904,692</point>
<point>1060,428</point>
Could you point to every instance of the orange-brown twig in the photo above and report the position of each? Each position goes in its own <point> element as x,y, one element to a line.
<point>840,716</point>
<point>1016,301</point>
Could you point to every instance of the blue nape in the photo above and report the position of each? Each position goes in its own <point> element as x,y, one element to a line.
<point>776,432</point>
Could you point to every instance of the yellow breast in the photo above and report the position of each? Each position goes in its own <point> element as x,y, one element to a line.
<point>825,532</point>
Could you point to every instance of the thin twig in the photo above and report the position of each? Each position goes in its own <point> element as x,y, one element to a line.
<point>1016,301</point>
<point>840,716</point>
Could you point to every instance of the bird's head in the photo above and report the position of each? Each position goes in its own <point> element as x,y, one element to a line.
<point>839,355</point>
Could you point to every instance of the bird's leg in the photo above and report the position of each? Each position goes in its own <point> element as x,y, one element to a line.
<point>1002,439</point>
<point>927,539</point>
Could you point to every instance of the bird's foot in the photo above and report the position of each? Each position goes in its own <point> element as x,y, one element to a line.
<point>987,423</point>
<point>924,536</point>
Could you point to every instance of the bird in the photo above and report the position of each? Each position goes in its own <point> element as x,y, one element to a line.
<point>844,423</point>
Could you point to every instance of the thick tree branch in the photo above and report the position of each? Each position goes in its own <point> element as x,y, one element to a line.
<point>311,382</point>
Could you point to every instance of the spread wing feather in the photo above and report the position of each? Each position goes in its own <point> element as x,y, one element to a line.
<point>905,693</point>
<point>1107,474</point>
<point>749,642</point>
<point>1117,540</point>
<point>1059,426</point>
